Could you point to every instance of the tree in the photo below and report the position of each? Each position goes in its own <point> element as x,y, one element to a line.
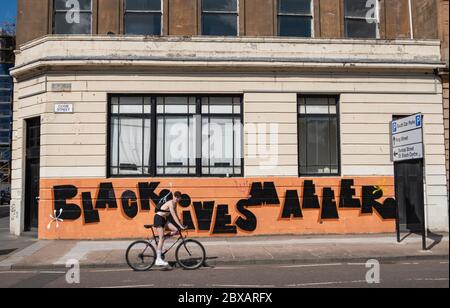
<point>8,28</point>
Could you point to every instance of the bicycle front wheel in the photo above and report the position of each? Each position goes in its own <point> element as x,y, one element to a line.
<point>190,255</point>
<point>141,256</point>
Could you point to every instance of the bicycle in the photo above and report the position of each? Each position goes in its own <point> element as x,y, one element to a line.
<point>141,255</point>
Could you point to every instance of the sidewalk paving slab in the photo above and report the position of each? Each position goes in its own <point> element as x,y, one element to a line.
<point>288,250</point>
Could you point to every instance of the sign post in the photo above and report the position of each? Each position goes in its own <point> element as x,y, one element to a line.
<point>406,145</point>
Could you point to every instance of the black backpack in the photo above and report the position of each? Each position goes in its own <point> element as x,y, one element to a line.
<point>163,201</point>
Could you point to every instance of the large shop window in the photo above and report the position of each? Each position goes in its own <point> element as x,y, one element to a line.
<point>362,18</point>
<point>176,136</point>
<point>143,17</point>
<point>295,18</point>
<point>220,17</point>
<point>318,135</point>
<point>72,17</point>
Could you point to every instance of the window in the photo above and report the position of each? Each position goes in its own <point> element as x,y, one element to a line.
<point>318,135</point>
<point>295,18</point>
<point>220,17</point>
<point>72,17</point>
<point>362,18</point>
<point>221,136</point>
<point>176,136</point>
<point>143,17</point>
<point>130,135</point>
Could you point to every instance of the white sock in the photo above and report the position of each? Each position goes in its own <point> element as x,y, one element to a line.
<point>158,255</point>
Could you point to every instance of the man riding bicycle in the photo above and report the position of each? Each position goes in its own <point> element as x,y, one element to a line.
<point>166,216</point>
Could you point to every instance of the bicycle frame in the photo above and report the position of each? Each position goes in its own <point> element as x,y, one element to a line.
<point>155,238</point>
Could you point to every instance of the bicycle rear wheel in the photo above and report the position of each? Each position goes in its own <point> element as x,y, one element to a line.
<point>190,255</point>
<point>141,256</point>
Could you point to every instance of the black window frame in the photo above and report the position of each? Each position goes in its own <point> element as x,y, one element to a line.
<point>338,141</point>
<point>149,12</point>
<point>154,135</point>
<point>55,11</point>
<point>349,17</point>
<point>299,15</point>
<point>207,12</point>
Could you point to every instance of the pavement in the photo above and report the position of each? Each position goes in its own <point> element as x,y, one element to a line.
<point>30,253</point>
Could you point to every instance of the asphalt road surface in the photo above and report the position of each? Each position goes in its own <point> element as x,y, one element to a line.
<point>408,274</point>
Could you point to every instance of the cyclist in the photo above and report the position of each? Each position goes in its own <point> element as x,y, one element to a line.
<point>166,216</point>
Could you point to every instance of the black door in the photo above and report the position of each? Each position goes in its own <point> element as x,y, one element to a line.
<point>410,195</point>
<point>32,166</point>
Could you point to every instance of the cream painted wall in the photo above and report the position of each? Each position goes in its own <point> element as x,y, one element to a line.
<point>74,145</point>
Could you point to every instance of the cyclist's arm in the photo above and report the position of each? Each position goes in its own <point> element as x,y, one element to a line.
<point>175,216</point>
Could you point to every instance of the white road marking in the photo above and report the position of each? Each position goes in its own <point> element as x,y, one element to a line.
<point>428,279</point>
<point>19,272</point>
<point>129,287</point>
<point>311,284</point>
<point>444,262</point>
<point>51,272</point>
<point>110,271</point>
<point>241,286</point>
<point>311,265</point>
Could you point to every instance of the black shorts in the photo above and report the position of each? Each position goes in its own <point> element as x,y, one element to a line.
<point>161,222</point>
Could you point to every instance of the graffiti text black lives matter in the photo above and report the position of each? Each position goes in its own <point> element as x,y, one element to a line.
<point>214,217</point>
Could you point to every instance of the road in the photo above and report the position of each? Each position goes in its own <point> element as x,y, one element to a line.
<point>408,274</point>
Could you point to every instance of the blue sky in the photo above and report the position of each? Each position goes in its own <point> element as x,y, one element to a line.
<point>7,10</point>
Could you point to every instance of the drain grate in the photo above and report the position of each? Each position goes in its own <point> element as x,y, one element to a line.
<point>6,252</point>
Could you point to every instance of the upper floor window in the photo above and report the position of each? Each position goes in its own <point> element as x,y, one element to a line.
<point>318,135</point>
<point>143,17</point>
<point>295,18</point>
<point>220,17</point>
<point>72,17</point>
<point>362,18</point>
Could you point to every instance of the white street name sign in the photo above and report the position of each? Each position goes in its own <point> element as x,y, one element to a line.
<point>63,108</point>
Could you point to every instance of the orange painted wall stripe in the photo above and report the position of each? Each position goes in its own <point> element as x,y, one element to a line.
<point>115,224</point>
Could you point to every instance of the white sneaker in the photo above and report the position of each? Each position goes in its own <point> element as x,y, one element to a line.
<point>160,262</point>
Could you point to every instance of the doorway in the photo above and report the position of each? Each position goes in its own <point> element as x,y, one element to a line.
<point>409,192</point>
<point>32,167</point>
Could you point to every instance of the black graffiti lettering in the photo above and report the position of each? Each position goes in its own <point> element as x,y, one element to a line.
<point>310,199</point>
<point>90,214</point>
<point>106,197</point>
<point>387,210</point>
<point>61,195</point>
<point>369,196</point>
<point>204,213</point>
<point>187,220</point>
<point>165,194</point>
<point>291,206</point>
<point>250,222</point>
<point>147,193</point>
<point>329,207</point>
<point>347,193</point>
<point>130,203</point>
<point>185,201</point>
<point>223,221</point>
<point>264,194</point>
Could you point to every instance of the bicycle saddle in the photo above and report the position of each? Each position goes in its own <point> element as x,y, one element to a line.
<point>148,226</point>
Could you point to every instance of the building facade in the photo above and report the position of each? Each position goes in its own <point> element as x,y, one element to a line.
<point>270,116</point>
<point>443,33</point>
<point>6,89</point>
